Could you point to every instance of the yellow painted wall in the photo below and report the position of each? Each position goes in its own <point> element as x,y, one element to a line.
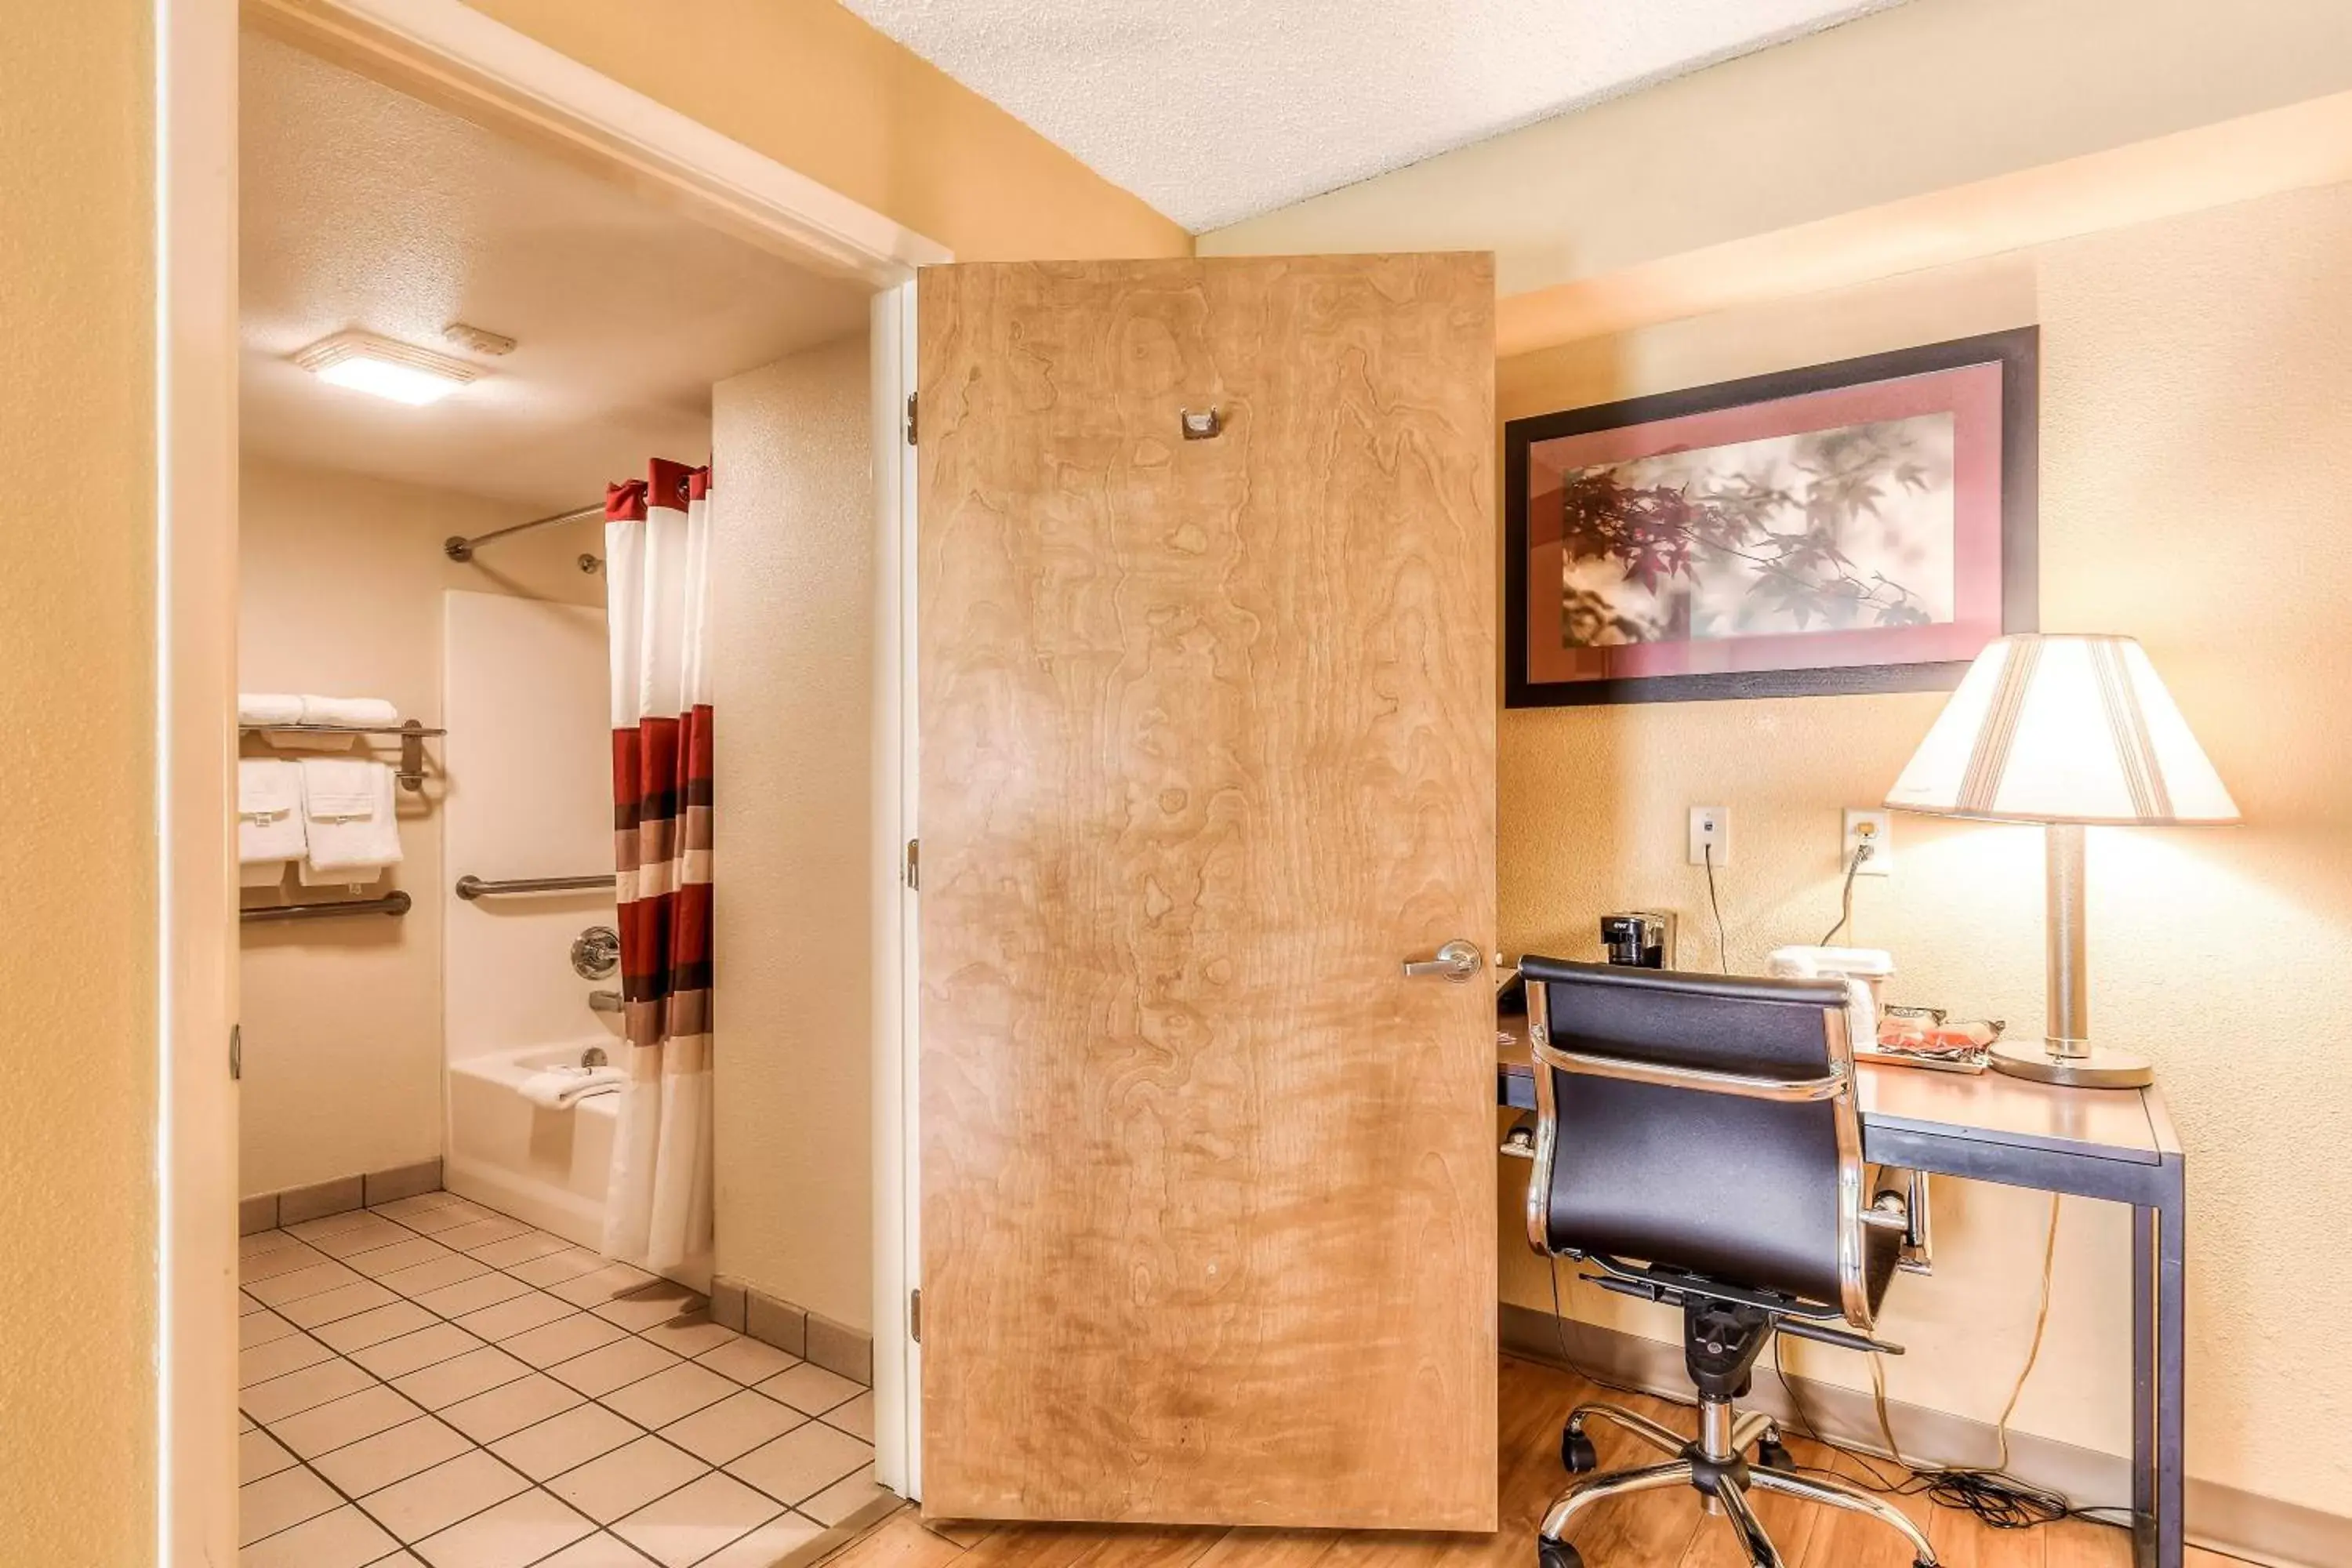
<point>1920,98</point>
<point>813,87</point>
<point>2197,458</point>
<point>77,921</point>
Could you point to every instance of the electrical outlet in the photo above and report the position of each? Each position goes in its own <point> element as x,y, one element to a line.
<point>1873,826</point>
<point>1710,830</point>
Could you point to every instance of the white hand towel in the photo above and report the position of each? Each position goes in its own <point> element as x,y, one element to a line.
<point>319,709</point>
<point>261,874</point>
<point>561,1087</point>
<point>347,806</point>
<point>270,829</point>
<point>268,707</point>
<point>339,789</point>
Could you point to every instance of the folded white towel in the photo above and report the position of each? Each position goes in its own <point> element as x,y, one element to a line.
<point>339,789</point>
<point>270,829</point>
<point>347,806</point>
<point>316,709</point>
<point>561,1087</point>
<point>261,874</point>
<point>268,707</point>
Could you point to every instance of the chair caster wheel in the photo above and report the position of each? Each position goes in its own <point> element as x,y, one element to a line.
<point>1556,1555</point>
<point>1577,1456</point>
<point>1773,1455</point>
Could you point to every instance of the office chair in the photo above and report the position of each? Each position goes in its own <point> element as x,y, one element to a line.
<point>1698,1144</point>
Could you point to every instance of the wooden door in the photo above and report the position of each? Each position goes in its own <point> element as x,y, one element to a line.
<point>1207,750</point>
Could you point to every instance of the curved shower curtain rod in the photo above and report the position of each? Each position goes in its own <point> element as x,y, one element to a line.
<point>456,547</point>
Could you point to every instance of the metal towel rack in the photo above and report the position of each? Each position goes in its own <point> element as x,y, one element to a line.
<point>413,736</point>
<point>470,887</point>
<point>395,904</point>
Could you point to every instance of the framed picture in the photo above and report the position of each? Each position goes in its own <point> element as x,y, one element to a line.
<point>1862,526</point>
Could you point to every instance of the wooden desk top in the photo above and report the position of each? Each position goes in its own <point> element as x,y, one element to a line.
<point>2130,1125</point>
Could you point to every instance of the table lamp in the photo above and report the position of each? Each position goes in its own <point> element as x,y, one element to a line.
<point>2068,731</point>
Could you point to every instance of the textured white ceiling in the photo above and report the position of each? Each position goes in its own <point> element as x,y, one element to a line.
<point>1215,111</point>
<point>361,208</point>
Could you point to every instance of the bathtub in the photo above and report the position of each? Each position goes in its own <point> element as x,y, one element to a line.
<point>548,1168</point>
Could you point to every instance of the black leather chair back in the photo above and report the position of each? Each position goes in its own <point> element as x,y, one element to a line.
<point>1745,1190</point>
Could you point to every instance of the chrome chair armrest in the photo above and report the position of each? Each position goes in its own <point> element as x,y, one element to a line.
<point>1746,1086</point>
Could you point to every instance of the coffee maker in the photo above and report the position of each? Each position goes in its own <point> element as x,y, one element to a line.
<point>1638,939</point>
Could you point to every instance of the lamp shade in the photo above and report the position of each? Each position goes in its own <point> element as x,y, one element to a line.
<point>2048,728</point>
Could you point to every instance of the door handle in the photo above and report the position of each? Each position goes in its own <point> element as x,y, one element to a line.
<point>1457,961</point>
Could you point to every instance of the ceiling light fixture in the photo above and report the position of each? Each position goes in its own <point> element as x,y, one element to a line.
<point>365,362</point>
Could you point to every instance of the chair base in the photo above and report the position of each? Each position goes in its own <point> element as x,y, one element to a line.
<point>1716,1467</point>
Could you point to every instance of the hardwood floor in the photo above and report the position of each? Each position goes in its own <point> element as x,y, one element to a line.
<point>1654,1529</point>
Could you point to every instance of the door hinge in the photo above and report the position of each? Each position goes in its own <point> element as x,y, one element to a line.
<point>910,419</point>
<point>915,1315</point>
<point>914,866</point>
<point>235,1052</point>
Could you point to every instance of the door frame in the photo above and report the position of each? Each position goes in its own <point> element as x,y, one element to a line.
<point>458,59</point>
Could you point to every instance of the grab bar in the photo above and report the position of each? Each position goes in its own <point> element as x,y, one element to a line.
<point>395,904</point>
<point>470,887</point>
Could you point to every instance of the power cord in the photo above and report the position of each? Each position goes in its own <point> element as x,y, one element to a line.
<point>1994,1495</point>
<point>1862,852</point>
<point>1722,948</point>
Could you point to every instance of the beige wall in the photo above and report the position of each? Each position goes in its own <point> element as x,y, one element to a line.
<point>2196,379</point>
<point>810,85</point>
<point>340,583</point>
<point>78,958</point>
<point>1919,99</point>
<point>792,568</point>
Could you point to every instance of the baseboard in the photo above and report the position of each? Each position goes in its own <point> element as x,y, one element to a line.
<point>794,1330</point>
<point>2240,1524</point>
<point>268,1210</point>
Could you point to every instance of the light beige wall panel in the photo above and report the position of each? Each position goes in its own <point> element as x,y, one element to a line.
<point>341,580</point>
<point>2196,454</point>
<point>1917,99</point>
<point>527,690</point>
<point>792,568</point>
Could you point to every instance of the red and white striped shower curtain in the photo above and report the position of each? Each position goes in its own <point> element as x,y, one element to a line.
<point>658,576</point>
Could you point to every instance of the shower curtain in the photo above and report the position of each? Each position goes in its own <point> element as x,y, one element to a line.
<point>657,569</point>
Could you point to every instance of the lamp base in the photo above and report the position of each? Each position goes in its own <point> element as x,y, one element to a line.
<point>2105,1068</point>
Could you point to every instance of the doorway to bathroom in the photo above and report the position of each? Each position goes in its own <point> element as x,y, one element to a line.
<point>448,1345</point>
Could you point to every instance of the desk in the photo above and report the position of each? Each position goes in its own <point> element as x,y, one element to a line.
<point>2116,1144</point>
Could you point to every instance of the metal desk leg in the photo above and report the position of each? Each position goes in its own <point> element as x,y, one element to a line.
<point>2145,1376</point>
<point>2172,1387</point>
<point>2159,1338</point>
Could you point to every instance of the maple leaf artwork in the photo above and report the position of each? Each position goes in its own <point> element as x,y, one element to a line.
<point>1845,528</point>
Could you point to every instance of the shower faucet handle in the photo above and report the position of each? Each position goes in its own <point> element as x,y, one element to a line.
<point>596,952</point>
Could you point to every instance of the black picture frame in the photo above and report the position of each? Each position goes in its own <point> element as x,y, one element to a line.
<point>2017,352</point>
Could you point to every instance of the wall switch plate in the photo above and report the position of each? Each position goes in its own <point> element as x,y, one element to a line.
<point>1876,826</point>
<point>1710,829</point>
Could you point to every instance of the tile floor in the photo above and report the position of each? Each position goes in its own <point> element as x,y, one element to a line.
<point>432,1381</point>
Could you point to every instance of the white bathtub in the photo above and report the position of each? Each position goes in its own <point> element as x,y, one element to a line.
<point>546,1167</point>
